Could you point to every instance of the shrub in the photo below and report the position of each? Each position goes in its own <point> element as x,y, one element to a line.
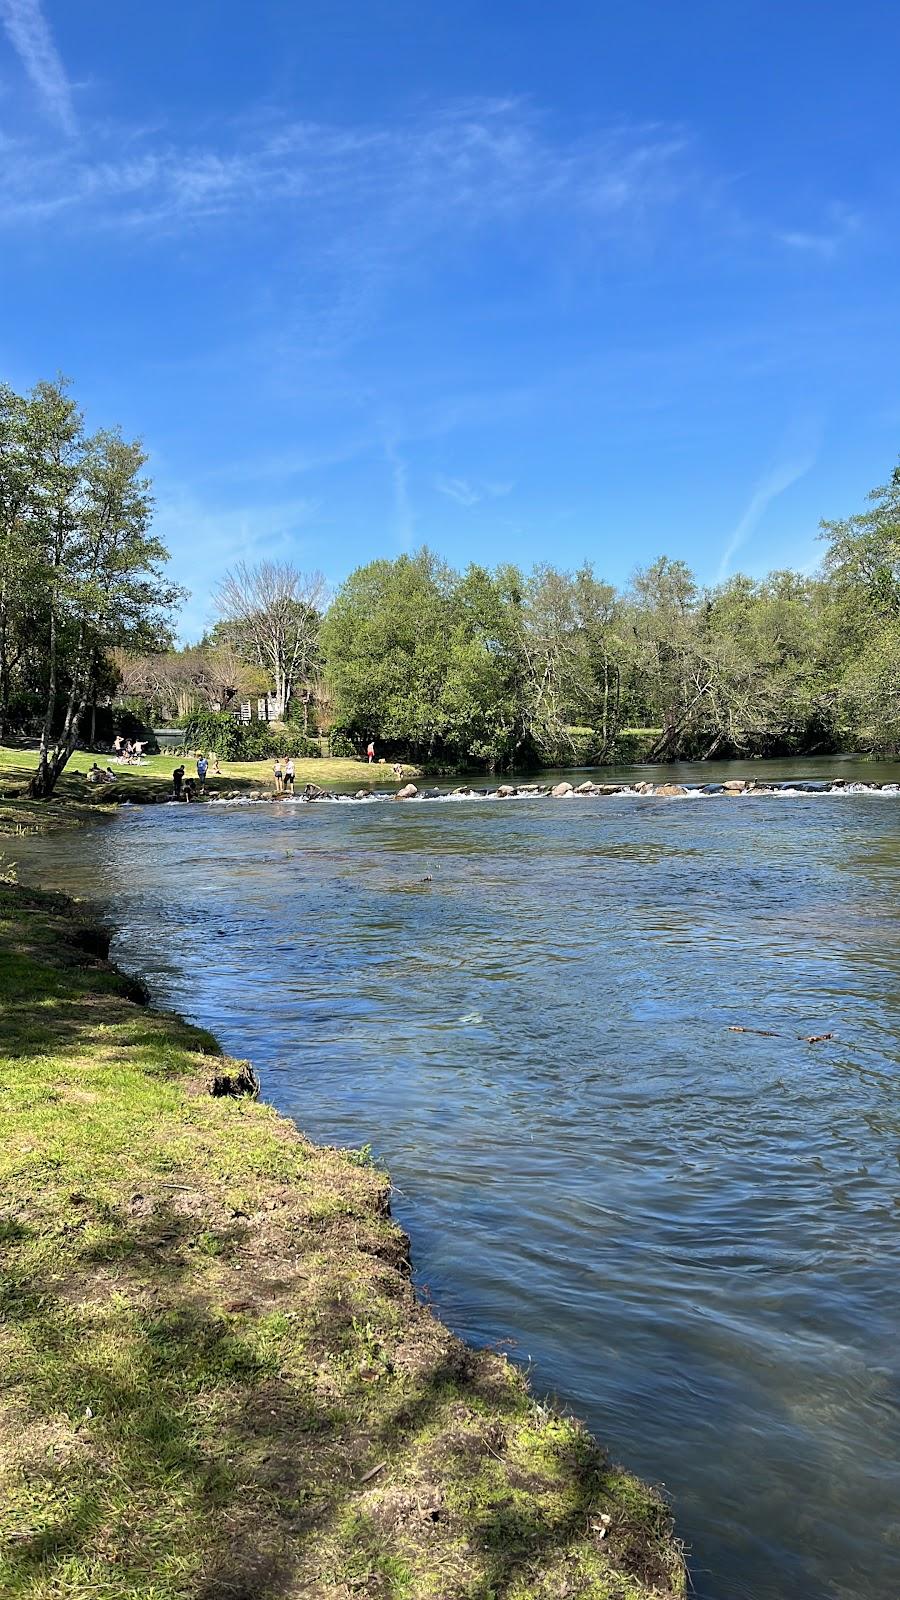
<point>341,745</point>
<point>244,741</point>
<point>293,743</point>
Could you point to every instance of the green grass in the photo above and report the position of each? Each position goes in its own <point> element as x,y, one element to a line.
<point>217,1383</point>
<point>154,778</point>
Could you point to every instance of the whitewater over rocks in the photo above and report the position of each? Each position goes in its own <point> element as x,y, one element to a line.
<point>733,788</point>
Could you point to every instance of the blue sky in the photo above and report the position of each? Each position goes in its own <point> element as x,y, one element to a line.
<point>522,281</point>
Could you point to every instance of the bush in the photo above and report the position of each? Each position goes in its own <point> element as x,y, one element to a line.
<point>293,743</point>
<point>341,745</point>
<point>244,741</point>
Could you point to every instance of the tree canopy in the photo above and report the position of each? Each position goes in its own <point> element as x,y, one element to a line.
<point>80,569</point>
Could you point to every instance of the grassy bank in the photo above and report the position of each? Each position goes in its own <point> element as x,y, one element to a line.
<point>217,1382</point>
<point>153,779</point>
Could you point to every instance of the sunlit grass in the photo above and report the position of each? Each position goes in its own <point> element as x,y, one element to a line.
<point>155,774</point>
<point>216,1379</point>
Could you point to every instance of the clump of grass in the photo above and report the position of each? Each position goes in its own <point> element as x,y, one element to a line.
<point>217,1380</point>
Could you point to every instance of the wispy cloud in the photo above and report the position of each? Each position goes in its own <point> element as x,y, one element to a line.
<point>468,493</point>
<point>826,241</point>
<point>794,464</point>
<point>464,165</point>
<point>30,35</point>
<point>353,210</point>
<point>404,513</point>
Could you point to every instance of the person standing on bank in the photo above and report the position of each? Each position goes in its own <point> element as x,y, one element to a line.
<point>370,751</point>
<point>177,776</point>
<point>279,776</point>
<point>202,769</point>
<point>289,775</point>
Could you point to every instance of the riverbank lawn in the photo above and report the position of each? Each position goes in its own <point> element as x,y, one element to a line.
<point>154,776</point>
<point>216,1381</point>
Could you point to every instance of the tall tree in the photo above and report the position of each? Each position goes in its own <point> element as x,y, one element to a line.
<point>19,569</point>
<point>273,612</point>
<point>88,519</point>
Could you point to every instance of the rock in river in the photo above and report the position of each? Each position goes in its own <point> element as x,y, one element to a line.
<point>560,790</point>
<point>408,792</point>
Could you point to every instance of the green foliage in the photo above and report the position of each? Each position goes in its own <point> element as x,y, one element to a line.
<point>233,740</point>
<point>424,661</point>
<point>80,569</point>
<point>494,669</point>
<point>341,746</point>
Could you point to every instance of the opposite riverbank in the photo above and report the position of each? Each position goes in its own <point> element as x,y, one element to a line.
<point>152,779</point>
<point>217,1379</point>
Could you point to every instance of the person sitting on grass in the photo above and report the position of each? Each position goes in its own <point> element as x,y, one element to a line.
<point>94,774</point>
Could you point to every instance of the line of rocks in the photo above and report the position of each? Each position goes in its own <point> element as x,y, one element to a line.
<point>565,790</point>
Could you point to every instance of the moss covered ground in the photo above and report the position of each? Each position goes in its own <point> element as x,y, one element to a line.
<point>216,1382</point>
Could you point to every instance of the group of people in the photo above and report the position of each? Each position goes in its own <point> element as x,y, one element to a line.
<point>125,751</point>
<point>187,788</point>
<point>284,776</point>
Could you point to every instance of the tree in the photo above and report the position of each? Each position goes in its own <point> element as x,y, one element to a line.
<point>863,560</point>
<point>86,517</point>
<point>862,564</point>
<point>273,613</point>
<point>385,647</point>
<point>20,573</point>
<point>571,660</point>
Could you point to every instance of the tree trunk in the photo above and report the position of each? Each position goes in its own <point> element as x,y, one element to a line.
<point>43,784</point>
<point>52,764</point>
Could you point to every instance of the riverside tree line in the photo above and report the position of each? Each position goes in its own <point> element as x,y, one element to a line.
<point>483,667</point>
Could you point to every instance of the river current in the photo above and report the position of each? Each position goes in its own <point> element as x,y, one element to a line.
<point>526,1008</point>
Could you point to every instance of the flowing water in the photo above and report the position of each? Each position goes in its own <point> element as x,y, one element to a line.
<point>691,1232</point>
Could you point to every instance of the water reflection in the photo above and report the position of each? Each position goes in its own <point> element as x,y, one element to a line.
<point>692,1232</point>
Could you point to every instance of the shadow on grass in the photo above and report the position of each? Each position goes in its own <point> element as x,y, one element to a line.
<point>195,1402</point>
<point>195,1457</point>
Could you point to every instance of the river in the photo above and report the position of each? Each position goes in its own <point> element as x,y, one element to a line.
<point>526,1008</point>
